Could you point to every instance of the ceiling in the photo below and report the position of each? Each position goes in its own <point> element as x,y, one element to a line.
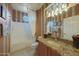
<point>26,6</point>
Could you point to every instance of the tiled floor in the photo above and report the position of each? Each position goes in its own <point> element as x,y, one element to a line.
<point>25,52</point>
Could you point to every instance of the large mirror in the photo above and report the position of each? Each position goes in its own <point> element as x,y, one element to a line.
<point>52,20</point>
<point>52,27</point>
<point>59,25</point>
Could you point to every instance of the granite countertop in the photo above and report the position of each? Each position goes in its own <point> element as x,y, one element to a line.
<point>63,48</point>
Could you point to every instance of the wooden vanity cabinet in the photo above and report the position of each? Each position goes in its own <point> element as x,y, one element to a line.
<point>44,50</point>
<point>41,49</point>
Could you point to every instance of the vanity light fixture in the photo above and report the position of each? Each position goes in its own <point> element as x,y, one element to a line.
<point>57,9</point>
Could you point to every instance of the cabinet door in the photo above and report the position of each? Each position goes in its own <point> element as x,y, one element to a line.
<point>49,51</point>
<point>41,49</point>
<point>38,49</point>
<point>44,50</point>
<point>52,52</point>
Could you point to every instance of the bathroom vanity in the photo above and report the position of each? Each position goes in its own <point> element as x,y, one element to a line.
<point>52,47</point>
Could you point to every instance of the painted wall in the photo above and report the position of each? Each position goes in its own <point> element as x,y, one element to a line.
<point>70,27</point>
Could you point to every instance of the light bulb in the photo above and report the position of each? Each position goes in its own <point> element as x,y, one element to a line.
<point>65,9</point>
<point>56,13</point>
<point>57,9</point>
<point>60,11</point>
<point>52,13</point>
<point>48,14</point>
<point>63,6</point>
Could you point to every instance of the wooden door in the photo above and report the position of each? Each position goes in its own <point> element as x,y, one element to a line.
<point>1,46</point>
<point>4,45</point>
